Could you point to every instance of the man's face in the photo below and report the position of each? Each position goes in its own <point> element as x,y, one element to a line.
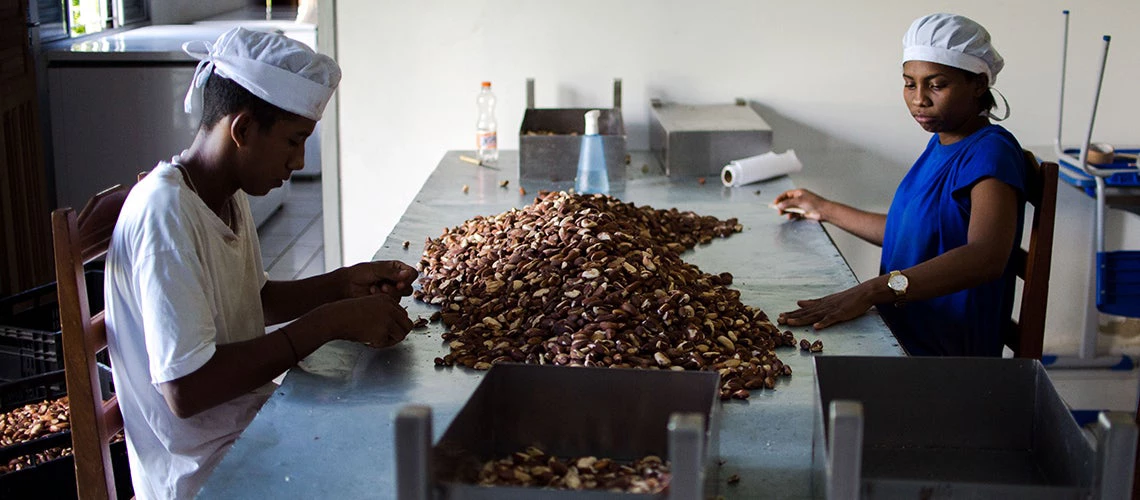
<point>275,153</point>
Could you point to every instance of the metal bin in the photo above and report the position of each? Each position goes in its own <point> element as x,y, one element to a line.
<point>622,414</point>
<point>550,139</point>
<point>697,141</point>
<point>958,428</point>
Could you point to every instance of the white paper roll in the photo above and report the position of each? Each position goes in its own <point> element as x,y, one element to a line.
<point>760,168</point>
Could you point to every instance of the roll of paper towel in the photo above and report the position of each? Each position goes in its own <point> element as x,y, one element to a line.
<point>760,168</point>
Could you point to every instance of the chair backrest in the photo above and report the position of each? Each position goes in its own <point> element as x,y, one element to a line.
<point>1026,335</point>
<point>79,239</point>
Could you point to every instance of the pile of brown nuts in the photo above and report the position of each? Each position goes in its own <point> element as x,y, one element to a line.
<point>34,420</point>
<point>586,280</point>
<point>30,422</point>
<point>535,468</point>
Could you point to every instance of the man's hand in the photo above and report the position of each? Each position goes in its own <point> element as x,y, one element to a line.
<point>376,320</point>
<point>390,277</point>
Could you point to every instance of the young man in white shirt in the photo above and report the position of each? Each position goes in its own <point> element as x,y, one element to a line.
<point>187,300</point>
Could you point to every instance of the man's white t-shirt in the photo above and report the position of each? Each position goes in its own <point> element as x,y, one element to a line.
<point>178,283</point>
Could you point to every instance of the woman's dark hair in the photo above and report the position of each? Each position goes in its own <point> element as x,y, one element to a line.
<point>223,97</point>
<point>986,102</point>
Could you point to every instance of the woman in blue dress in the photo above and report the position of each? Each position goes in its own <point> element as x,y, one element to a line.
<point>956,217</point>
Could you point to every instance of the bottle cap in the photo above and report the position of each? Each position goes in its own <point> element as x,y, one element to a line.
<point>486,84</point>
<point>592,121</point>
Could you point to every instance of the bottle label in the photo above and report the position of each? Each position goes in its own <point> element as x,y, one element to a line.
<point>486,140</point>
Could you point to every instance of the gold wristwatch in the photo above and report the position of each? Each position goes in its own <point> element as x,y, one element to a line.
<point>898,283</point>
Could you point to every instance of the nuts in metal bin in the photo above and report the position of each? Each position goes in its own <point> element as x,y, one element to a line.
<point>586,280</point>
<point>535,468</point>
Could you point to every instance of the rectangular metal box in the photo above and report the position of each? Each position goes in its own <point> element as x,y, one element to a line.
<point>954,427</point>
<point>550,140</point>
<point>621,414</point>
<point>698,140</point>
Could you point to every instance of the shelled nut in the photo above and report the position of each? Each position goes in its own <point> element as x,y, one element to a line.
<point>586,280</point>
<point>535,468</point>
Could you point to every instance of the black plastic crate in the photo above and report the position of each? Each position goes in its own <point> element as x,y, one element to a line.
<point>52,478</point>
<point>30,342</point>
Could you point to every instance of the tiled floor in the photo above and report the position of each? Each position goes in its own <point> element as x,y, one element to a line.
<point>292,247</point>
<point>292,240</point>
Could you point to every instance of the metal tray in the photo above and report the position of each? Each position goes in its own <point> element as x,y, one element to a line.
<point>958,427</point>
<point>553,157</point>
<point>622,414</point>
<point>699,140</point>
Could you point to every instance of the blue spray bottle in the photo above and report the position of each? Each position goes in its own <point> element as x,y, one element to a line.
<point>592,174</point>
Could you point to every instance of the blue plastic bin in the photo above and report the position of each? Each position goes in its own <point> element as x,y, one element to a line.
<point>1118,283</point>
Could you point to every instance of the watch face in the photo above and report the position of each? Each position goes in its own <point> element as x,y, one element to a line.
<point>897,282</point>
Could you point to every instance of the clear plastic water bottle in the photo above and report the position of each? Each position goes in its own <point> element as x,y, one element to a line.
<point>593,177</point>
<point>486,128</point>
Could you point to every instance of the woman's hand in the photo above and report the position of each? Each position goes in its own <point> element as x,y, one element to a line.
<point>810,203</point>
<point>369,278</point>
<point>835,308</point>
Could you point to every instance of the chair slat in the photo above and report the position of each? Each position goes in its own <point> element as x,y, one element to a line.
<point>97,332</point>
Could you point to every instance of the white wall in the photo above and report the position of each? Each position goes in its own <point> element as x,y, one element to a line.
<point>824,74</point>
<point>186,11</point>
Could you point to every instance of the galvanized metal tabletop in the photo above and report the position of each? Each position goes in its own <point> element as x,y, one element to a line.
<point>327,432</point>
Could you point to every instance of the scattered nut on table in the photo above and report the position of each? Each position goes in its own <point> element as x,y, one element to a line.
<point>817,346</point>
<point>406,244</point>
<point>504,183</point>
<point>734,479</point>
<point>586,280</point>
<point>465,189</point>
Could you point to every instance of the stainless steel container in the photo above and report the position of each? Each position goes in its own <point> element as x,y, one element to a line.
<point>958,428</point>
<point>697,141</point>
<point>622,414</point>
<point>550,139</point>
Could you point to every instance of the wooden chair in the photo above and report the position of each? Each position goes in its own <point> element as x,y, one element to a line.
<point>79,239</point>
<point>1026,335</point>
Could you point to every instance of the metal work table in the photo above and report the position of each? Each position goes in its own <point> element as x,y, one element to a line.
<point>327,432</point>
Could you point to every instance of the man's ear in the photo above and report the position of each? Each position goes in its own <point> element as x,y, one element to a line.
<point>242,127</point>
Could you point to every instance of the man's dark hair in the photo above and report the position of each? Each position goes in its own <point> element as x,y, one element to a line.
<point>223,97</point>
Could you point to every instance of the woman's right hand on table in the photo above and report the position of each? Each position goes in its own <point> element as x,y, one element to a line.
<point>795,201</point>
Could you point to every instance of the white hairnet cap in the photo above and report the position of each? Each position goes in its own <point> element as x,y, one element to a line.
<point>281,71</point>
<point>954,41</point>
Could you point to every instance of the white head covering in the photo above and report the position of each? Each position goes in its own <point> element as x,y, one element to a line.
<point>281,71</point>
<point>954,41</point>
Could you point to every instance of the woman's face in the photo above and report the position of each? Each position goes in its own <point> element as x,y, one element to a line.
<point>942,99</point>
